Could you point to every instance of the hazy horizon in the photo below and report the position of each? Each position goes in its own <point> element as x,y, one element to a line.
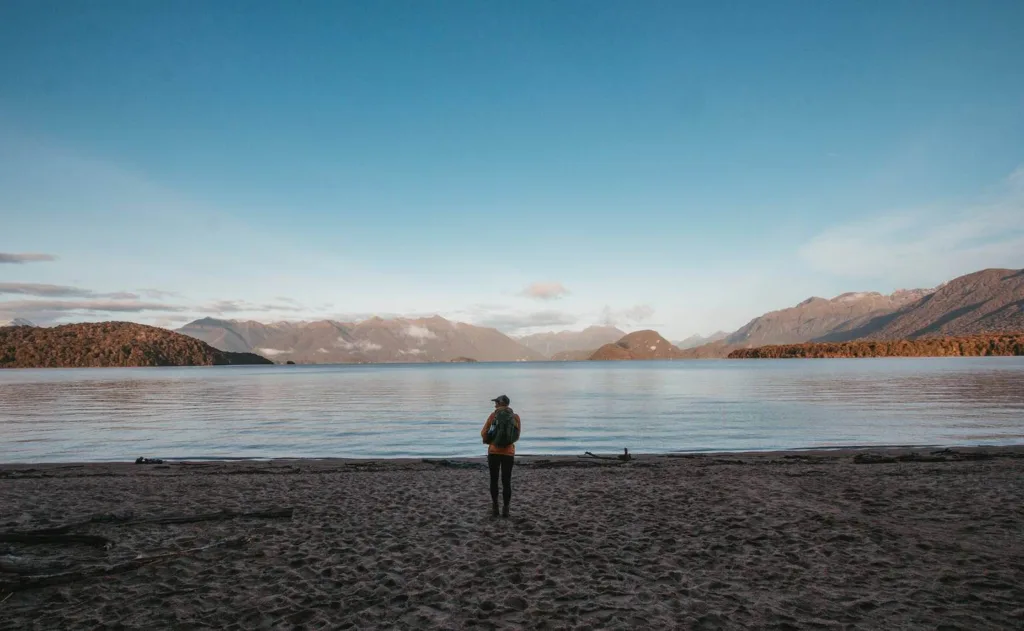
<point>529,167</point>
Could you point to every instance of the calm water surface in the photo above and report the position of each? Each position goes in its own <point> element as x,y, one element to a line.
<point>437,410</point>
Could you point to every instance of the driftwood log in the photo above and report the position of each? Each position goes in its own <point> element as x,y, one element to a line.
<point>282,513</point>
<point>454,464</point>
<point>623,457</point>
<point>35,582</point>
<point>36,538</point>
<point>584,463</point>
<point>19,565</point>
<point>129,520</point>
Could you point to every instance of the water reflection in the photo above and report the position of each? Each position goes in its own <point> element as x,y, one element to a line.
<point>364,411</point>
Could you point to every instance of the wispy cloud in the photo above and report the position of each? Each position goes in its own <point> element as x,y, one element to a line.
<point>546,291</point>
<point>922,248</point>
<point>271,352</point>
<point>631,316</point>
<point>158,293</point>
<point>1016,179</point>
<point>114,306</point>
<point>169,321</point>
<point>91,306</point>
<point>243,306</point>
<point>9,257</point>
<point>362,316</point>
<point>511,322</point>
<point>61,291</point>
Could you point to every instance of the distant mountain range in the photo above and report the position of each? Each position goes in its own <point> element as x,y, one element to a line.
<point>590,338</point>
<point>983,303</point>
<point>990,301</point>
<point>816,317</point>
<point>986,302</point>
<point>699,340</point>
<point>371,341</point>
<point>810,320</point>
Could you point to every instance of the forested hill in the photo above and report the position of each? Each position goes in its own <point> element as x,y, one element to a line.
<point>107,344</point>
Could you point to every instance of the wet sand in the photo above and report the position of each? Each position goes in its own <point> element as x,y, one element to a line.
<point>834,540</point>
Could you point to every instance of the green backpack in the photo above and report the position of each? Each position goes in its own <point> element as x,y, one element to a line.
<point>503,430</point>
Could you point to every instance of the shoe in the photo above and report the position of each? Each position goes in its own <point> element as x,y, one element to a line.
<point>504,511</point>
<point>494,510</point>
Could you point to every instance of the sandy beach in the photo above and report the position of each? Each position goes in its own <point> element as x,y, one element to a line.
<point>843,540</point>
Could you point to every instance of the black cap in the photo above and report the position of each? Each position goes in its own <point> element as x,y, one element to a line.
<point>502,400</point>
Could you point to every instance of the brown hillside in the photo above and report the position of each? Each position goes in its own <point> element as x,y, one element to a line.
<point>816,317</point>
<point>639,345</point>
<point>986,302</point>
<point>977,345</point>
<point>983,303</point>
<point>108,344</point>
<point>810,320</point>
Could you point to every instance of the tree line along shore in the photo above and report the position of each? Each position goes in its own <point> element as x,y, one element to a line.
<point>969,346</point>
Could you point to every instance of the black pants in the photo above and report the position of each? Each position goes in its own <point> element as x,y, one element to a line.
<point>501,464</point>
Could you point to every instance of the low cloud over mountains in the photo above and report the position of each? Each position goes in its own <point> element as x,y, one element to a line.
<point>17,259</point>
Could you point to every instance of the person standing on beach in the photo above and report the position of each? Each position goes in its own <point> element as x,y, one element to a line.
<point>500,433</point>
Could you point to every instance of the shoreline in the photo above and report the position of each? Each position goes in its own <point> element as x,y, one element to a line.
<point>838,452</point>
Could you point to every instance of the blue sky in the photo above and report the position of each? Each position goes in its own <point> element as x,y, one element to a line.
<point>681,166</point>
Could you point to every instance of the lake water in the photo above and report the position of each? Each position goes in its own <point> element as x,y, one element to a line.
<point>567,408</point>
